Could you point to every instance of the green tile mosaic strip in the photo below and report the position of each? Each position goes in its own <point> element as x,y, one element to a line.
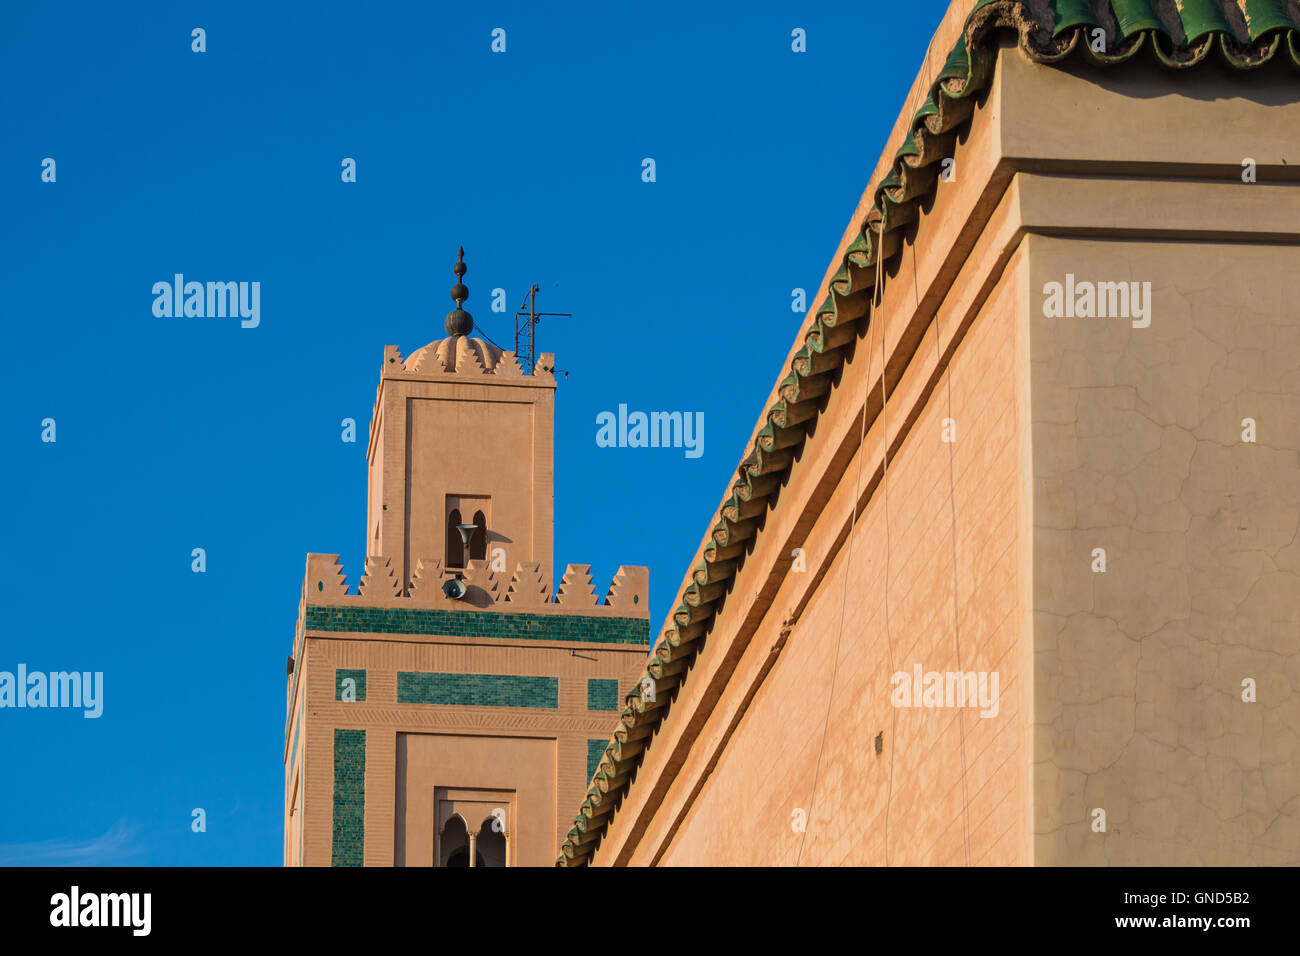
<point>477,690</point>
<point>349,842</point>
<point>595,750</point>
<point>582,628</point>
<point>602,694</point>
<point>358,678</point>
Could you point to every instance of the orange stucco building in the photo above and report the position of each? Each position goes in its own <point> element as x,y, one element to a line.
<point>450,710</point>
<point>1009,574</point>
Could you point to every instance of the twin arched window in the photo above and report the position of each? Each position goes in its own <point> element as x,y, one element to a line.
<point>456,844</point>
<point>456,544</point>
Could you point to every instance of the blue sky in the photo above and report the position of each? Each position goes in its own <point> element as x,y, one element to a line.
<point>177,433</point>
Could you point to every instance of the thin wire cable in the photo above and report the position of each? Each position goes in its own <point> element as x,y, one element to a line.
<point>844,595</point>
<point>952,510</point>
<point>956,610</point>
<point>877,301</point>
<point>876,319</point>
<point>483,332</point>
<point>884,483</point>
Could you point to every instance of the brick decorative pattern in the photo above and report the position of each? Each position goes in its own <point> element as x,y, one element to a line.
<point>602,694</point>
<point>478,690</point>
<point>349,798</point>
<point>582,628</point>
<point>359,676</point>
<point>595,750</point>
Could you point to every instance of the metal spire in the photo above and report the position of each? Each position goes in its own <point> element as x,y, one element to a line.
<point>458,321</point>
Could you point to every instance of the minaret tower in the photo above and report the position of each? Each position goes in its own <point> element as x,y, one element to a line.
<point>461,436</point>
<point>452,708</point>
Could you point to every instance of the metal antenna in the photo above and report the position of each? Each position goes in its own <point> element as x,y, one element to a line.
<point>526,319</point>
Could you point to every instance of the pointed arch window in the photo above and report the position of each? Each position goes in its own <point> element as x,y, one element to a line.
<point>455,546</point>
<point>456,845</point>
<point>490,843</point>
<point>478,541</point>
<point>473,827</point>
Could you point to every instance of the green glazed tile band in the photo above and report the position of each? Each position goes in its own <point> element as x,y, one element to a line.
<point>349,837</point>
<point>602,694</point>
<point>477,690</point>
<point>587,629</point>
<point>595,750</point>
<point>357,676</point>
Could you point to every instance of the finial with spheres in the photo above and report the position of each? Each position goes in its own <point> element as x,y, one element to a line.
<point>459,322</point>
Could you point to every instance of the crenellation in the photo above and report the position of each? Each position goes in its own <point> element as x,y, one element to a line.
<point>528,587</point>
<point>380,580</point>
<point>575,587</point>
<point>509,366</point>
<point>630,589</point>
<point>325,584</point>
<point>484,583</point>
<point>426,582</point>
<point>456,357</point>
<point>324,580</point>
<point>469,361</point>
<point>545,367</point>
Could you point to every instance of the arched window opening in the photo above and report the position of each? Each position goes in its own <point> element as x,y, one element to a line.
<point>491,843</point>
<point>453,844</point>
<point>478,541</point>
<point>455,546</point>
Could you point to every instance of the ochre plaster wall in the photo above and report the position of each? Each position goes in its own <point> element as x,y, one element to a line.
<point>905,805</point>
<point>1138,450</point>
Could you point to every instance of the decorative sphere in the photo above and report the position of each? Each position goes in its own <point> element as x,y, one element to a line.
<point>459,322</point>
<point>459,293</point>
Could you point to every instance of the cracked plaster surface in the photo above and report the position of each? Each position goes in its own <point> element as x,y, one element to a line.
<point>1137,448</point>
